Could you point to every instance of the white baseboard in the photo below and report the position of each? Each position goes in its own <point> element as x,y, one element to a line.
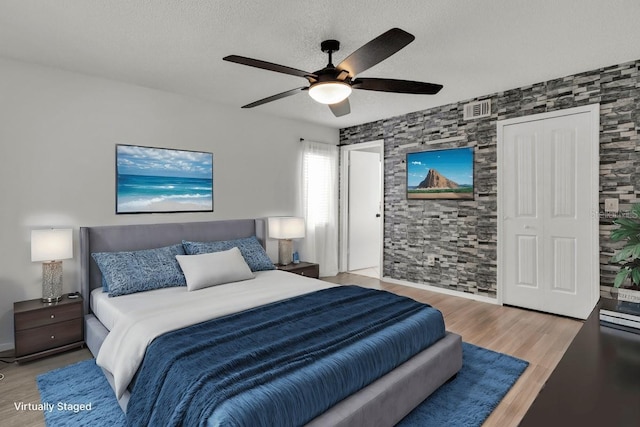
<point>442,290</point>
<point>4,346</point>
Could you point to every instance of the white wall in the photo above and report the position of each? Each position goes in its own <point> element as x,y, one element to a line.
<point>58,132</point>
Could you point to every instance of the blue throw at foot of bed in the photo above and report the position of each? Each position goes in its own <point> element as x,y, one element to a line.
<point>283,363</point>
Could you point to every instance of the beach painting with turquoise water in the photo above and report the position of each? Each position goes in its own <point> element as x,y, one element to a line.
<point>163,180</point>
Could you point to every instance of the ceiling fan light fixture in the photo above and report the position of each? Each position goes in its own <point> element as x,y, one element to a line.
<point>330,92</point>
<point>332,84</point>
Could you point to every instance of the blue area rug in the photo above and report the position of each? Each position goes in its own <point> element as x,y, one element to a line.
<point>486,376</point>
<point>82,383</point>
<point>79,395</point>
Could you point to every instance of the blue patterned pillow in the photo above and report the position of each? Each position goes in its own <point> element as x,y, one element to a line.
<point>250,248</point>
<point>138,271</point>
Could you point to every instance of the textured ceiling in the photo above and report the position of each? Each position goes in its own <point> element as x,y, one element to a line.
<point>473,48</point>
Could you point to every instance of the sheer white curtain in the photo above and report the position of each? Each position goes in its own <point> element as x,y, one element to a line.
<point>319,198</point>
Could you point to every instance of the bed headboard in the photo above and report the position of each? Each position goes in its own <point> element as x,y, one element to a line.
<point>114,238</point>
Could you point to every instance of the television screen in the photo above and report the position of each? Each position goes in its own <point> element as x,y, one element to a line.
<point>440,174</point>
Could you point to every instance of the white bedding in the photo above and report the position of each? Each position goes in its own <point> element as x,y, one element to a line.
<point>137,319</point>
<point>110,310</point>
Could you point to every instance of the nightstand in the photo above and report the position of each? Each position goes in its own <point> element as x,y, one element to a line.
<point>307,269</point>
<point>42,329</point>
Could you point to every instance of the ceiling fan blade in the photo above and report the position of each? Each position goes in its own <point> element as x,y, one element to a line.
<point>269,66</point>
<point>397,86</point>
<point>342,108</point>
<point>377,50</point>
<point>275,97</point>
<point>342,75</point>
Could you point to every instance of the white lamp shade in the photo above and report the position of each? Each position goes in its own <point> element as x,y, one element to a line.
<point>329,92</point>
<point>52,244</point>
<point>286,227</point>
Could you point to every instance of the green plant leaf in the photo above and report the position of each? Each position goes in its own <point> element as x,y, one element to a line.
<point>621,277</point>
<point>622,233</point>
<point>634,240</point>
<point>623,254</point>
<point>629,223</point>
<point>628,230</point>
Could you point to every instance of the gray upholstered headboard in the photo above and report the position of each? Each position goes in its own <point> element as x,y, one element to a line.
<point>113,238</point>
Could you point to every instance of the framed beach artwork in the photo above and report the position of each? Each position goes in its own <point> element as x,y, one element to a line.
<point>440,174</point>
<point>162,180</point>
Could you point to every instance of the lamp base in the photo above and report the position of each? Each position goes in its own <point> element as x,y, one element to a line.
<point>51,281</point>
<point>285,250</point>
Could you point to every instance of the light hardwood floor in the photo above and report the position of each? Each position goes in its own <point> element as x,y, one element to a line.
<point>539,338</point>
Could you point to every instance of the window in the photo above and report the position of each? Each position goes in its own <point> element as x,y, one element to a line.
<point>319,197</point>
<point>317,179</point>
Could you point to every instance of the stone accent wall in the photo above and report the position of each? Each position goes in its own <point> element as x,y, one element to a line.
<point>463,234</point>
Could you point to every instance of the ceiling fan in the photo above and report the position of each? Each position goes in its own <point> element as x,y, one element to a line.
<point>332,85</point>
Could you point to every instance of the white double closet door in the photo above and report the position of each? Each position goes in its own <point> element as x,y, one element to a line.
<point>548,247</point>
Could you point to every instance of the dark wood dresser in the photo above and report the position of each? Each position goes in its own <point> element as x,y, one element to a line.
<point>596,383</point>
<point>42,329</point>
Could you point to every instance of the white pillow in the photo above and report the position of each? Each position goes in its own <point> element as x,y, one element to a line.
<point>215,268</point>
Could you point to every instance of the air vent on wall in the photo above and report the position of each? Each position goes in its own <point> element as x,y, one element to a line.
<point>476,110</point>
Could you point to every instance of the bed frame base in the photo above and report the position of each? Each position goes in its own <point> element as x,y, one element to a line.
<point>382,403</point>
<point>389,399</point>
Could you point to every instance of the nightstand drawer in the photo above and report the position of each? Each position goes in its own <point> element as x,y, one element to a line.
<point>46,337</point>
<point>307,269</point>
<point>47,316</point>
<point>310,271</point>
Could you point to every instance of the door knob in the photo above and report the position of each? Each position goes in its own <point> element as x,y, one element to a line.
<point>377,215</point>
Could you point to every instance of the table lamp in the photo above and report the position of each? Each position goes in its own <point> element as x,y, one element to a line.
<point>51,246</point>
<point>286,228</point>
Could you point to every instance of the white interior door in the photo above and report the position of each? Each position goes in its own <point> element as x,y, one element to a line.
<point>549,231</point>
<point>364,210</point>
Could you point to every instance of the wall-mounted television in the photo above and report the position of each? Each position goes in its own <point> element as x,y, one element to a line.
<point>440,174</point>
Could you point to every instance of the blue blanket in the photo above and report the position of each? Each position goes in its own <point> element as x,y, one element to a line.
<point>280,364</point>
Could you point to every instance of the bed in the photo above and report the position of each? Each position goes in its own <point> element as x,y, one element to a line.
<point>382,402</point>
